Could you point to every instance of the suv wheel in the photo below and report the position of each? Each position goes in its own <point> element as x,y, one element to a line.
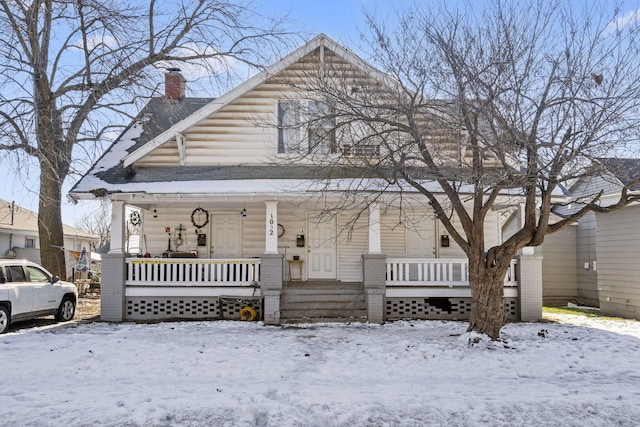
<point>66,310</point>
<point>5,319</point>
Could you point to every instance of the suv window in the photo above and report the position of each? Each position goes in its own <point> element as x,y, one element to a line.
<point>15,273</point>
<point>2,279</point>
<point>37,275</point>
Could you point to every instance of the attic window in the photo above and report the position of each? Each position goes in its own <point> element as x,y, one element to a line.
<point>321,128</point>
<point>288,125</point>
<point>309,122</point>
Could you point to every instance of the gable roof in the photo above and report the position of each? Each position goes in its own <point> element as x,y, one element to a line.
<point>624,170</point>
<point>25,220</point>
<point>258,79</point>
<point>162,119</point>
<point>114,171</point>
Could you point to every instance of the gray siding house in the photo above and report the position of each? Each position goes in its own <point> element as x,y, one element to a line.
<point>607,245</point>
<point>230,228</point>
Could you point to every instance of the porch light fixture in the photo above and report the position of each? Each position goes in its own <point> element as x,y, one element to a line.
<point>155,213</point>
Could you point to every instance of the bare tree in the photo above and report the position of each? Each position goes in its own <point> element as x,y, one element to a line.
<point>98,223</point>
<point>505,103</point>
<point>69,65</point>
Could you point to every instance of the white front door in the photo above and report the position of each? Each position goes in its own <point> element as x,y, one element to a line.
<point>421,238</point>
<point>322,263</point>
<point>226,236</point>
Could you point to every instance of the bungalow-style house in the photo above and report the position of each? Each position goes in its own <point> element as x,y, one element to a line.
<point>19,237</point>
<point>607,244</point>
<point>230,229</point>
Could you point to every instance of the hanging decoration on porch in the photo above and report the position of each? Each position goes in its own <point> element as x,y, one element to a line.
<point>199,217</point>
<point>135,219</point>
<point>179,229</point>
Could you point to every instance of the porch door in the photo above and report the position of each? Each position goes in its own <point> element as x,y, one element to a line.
<point>322,263</point>
<point>226,236</point>
<point>421,238</point>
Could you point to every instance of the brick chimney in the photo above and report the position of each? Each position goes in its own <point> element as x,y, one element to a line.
<point>174,84</point>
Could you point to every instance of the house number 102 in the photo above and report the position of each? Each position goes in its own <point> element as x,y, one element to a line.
<point>271,222</point>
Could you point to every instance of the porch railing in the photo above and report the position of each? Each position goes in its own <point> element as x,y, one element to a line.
<point>192,272</point>
<point>436,272</point>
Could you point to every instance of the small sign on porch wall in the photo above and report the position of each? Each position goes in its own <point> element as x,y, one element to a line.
<point>202,240</point>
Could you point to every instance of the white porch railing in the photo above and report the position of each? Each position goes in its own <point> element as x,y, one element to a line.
<point>436,272</point>
<point>192,272</point>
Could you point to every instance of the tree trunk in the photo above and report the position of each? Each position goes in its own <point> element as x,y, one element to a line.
<point>487,285</point>
<point>50,223</point>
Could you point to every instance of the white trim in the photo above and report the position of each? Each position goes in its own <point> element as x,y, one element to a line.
<point>414,292</point>
<point>190,292</point>
<point>117,227</point>
<point>271,227</point>
<point>375,245</point>
<point>182,147</point>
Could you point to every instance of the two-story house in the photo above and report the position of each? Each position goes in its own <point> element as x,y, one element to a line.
<point>231,227</point>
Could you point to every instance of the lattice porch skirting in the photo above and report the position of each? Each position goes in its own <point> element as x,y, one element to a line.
<point>164,308</point>
<point>438,308</point>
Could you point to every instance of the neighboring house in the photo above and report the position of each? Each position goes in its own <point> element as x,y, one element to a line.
<point>228,228</point>
<point>559,258</point>
<point>19,237</point>
<point>608,244</point>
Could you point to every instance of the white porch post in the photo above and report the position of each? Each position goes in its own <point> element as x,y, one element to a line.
<point>112,287</point>
<point>375,246</point>
<point>374,269</point>
<point>530,281</point>
<point>271,227</point>
<point>117,228</point>
<point>271,267</point>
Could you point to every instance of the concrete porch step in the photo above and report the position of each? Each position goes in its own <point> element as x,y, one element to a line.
<point>323,312</point>
<point>324,285</point>
<point>293,321</point>
<point>324,305</point>
<point>322,297</point>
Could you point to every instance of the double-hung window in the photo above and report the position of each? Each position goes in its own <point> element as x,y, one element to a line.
<point>306,127</point>
<point>321,128</point>
<point>288,126</point>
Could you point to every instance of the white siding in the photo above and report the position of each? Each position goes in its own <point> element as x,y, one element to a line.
<point>618,243</point>
<point>244,131</point>
<point>352,244</point>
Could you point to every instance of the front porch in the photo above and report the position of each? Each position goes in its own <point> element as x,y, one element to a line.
<point>220,288</point>
<point>178,278</point>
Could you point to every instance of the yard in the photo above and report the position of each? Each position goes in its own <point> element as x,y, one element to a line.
<point>580,371</point>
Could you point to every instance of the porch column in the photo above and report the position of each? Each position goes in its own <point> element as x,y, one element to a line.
<point>271,230</point>
<point>375,268</point>
<point>112,286</point>
<point>530,287</point>
<point>375,246</point>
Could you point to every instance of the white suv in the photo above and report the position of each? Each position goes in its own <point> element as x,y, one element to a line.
<point>27,291</point>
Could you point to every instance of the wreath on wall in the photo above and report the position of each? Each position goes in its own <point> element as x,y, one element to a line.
<point>135,218</point>
<point>199,217</point>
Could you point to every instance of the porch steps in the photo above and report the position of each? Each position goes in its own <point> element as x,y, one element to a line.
<point>331,301</point>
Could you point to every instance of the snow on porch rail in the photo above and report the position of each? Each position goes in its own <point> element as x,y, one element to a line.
<point>436,272</point>
<point>192,272</point>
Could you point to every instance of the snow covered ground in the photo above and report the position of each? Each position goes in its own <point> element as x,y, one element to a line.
<point>580,372</point>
